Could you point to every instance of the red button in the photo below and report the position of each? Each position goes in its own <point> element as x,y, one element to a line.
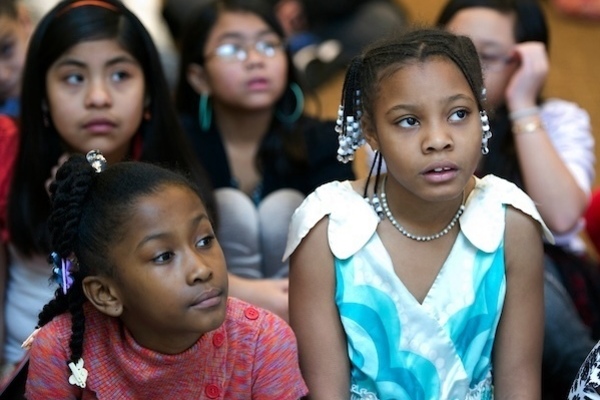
<point>251,313</point>
<point>218,339</point>
<point>212,391</point>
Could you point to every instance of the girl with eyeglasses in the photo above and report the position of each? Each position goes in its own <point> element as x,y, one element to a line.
<point>242,108</point>
<point>545,146</point>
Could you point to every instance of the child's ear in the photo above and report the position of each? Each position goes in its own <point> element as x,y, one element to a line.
<point>196,77</point>
<point>103,294</point>
<point>368,129</point>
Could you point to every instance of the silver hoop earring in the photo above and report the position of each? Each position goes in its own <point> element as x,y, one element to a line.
<point>486,132</point>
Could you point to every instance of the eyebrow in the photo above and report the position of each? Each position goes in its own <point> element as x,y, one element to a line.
<point>237,35</point>
<point>78,63</point>
<point>412,108</point>
<point>163,235</point>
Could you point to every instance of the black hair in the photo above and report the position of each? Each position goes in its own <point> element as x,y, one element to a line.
<point>530,22</point>
<point>285,148</point>
<point>367,71</point>
<point>9,9</point>
<point>530,25</point>
<point>162,139</point>
<point>89,212</point>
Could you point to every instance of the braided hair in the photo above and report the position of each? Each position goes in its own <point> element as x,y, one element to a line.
<point>89,212</point>
<point>367,72</point>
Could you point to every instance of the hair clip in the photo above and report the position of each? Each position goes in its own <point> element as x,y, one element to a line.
<point>96,160</point>
<point>62,271</point>
<point>97,3</point>
<point>78,374</point>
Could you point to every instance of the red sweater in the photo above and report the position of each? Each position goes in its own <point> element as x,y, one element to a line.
<point>253,355</point>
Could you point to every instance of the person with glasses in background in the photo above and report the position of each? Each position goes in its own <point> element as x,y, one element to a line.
<point>242,108</point>
<point>545,146</point>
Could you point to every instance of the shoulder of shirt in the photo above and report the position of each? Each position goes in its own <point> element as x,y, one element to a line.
<point>555,110</point>
<point>239,311</point>
<point>352,220</point>
<point>483,221</point>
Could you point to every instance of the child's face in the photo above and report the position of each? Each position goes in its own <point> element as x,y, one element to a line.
<point>95,93</point>
<point>14,37</point>
<point>254,83</point>
<point>492,33</point>
<point>427,126</point>
<point>170,271</point>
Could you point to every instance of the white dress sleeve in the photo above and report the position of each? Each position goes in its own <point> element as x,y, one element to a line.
<point>352,220</point>
<point>484,219</point>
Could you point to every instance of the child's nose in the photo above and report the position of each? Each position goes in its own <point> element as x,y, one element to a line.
<point>98,95</point>
<point>198,270</point>
<point>437,139</point>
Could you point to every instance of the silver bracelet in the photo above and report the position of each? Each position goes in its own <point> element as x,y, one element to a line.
<point>524,112</point>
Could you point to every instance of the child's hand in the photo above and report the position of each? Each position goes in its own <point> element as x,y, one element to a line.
<point>62,159</point>
<point>527,81</point>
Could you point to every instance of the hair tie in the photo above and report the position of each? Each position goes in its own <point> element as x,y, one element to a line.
<point>62,271</point>
<point>96,160</point>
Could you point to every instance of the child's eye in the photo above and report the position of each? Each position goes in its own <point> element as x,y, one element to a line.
<point>163,258</point>
<point>6,49</point>
<point>119,76</point>
<point>73,79</point>
<point>459,115</point>
<point>408,122</point>
<point>205,241</point>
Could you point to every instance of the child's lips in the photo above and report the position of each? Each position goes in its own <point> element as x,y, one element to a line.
<point>440,172</point>
<point>99,126</point>
<point>207,299</point>
<point>258,84</point>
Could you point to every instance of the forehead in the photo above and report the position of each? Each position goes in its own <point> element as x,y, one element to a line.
<point>96,51</point>
<point>485,26</point>
<point>435,79</point>
<point>9,26</point>
<point>156,209</point>
<point>240,24</point>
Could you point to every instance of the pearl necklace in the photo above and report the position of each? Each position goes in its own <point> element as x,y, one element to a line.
<point>388,213</point>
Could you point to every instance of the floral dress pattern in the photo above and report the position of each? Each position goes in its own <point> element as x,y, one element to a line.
<point>587,384</point>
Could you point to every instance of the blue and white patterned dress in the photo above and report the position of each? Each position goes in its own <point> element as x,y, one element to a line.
<point>400,348</point>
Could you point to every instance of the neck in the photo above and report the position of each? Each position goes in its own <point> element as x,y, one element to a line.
<point>419,216</point>
<point>242,126</point>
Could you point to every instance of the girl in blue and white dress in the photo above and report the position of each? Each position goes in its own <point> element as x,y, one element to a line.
<point>424,282</point>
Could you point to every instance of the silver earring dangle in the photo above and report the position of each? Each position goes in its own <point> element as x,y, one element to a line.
<point>486,132</point>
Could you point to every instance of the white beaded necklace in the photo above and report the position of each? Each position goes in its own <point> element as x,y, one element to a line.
<point>388,213</point>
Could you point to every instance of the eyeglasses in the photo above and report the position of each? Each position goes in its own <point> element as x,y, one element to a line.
<point>231,52</point>
<point>495,62</point>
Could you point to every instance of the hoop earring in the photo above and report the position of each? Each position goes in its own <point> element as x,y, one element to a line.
<point>486,132</point>
<point>293,117</point>
<point>205,112</point>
